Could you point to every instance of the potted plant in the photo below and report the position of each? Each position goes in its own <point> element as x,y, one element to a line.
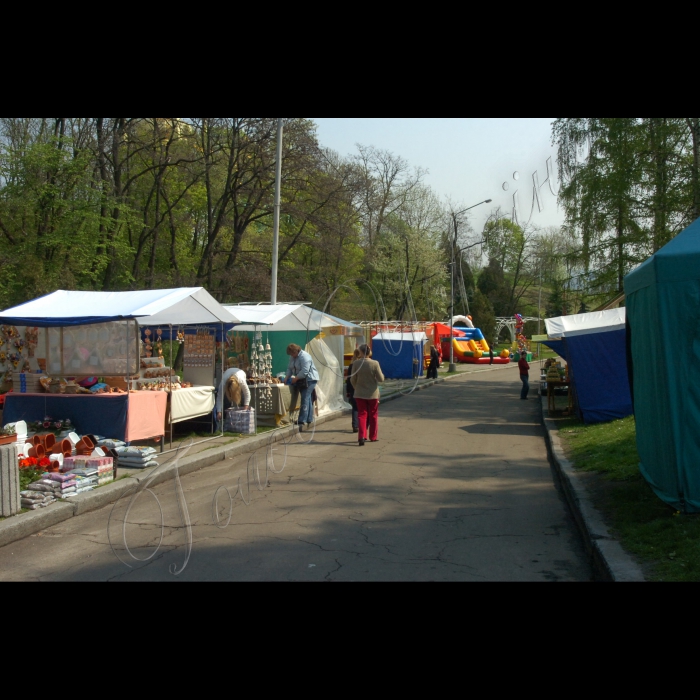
<point>8,435</point>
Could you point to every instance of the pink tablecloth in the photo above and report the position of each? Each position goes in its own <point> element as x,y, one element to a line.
<point>146,415</point>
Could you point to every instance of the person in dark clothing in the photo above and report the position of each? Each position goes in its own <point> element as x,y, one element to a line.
<point>524,368</point>
<point>490,355</point>
<point>434,363</point>
<point>350,390</point>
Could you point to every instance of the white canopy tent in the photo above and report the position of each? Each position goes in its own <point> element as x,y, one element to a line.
<point>89,333</point>
<point>322,335</point>
<point>290,317</point>
<point>584,324</point>
<point>149,307</point>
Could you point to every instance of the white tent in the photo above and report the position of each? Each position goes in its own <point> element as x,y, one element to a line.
<point>325,342</point>
<point>149,307</point>
<point>290,317</point>
<point>583,324</point>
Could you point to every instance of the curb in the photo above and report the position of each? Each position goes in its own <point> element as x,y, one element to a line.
<point>608,556</point>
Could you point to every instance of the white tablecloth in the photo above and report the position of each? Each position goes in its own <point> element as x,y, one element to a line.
<point>191,402</point>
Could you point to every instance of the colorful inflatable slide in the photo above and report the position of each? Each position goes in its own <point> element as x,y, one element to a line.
<point>471,346</point>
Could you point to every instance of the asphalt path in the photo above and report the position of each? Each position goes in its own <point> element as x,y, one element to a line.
<point>458,488</point>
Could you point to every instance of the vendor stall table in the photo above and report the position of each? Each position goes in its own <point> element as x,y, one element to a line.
<point>281,397</point>
<point>191,402</point>
<point>551,386</point>
<point>139,415</point>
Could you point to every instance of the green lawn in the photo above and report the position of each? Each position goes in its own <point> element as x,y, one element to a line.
<point>666,542</point>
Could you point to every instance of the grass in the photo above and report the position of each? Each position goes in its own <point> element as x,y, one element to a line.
<point>666,542</point>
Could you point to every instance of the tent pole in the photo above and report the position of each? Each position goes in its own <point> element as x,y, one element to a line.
<point>128,375</point>
<point>170,387</point>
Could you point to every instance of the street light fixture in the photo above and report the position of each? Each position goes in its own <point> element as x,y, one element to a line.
<point>453,366</point>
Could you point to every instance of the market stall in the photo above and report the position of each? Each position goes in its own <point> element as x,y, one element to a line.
<point>593,345</point>
<point>325,337</point>
<point>400,355</point>
<point>97,334</point>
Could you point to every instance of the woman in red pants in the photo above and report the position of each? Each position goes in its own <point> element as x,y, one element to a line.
<point>366,377</point>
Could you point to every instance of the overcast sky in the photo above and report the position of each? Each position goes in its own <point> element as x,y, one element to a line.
<point>468,160</point>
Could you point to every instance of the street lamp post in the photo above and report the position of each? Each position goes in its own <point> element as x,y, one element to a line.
<point>276,219</point>
<point>453,366</point>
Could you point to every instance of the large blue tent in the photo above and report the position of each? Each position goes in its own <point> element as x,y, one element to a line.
<point>400,355</point>
<point>594,347</point>
<point>663,305</point>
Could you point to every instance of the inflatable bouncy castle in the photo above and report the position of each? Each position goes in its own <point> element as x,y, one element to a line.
<point>473,348</point>
<point>469,345</point>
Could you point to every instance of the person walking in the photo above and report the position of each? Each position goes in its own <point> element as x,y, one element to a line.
<point>350,390</point>
<point>434,363</point>
<point>365,380</point>
<point>304,376</point>
<point>233,391</point>
<point>490,355</point>
<point>524,368</point>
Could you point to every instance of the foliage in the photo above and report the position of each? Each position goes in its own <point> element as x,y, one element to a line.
<point>28,476</point>
<point>132,203</point>
<point>629,185</point>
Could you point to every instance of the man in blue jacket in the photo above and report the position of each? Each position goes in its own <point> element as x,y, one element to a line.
<point>302,371</point>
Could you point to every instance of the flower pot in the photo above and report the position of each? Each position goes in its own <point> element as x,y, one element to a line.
<point>37,451</point>
<point>63,447</point>
<point>49,441</point>
<point>7,439</point>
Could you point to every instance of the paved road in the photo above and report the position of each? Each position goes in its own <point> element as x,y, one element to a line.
<point>458,488</point>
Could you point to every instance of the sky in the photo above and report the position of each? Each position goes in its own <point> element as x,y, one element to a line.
<point>468,160</point>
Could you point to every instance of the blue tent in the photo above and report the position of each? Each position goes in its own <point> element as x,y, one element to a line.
<point>663,305</point>
<point>400,355</point>
<point>594,346</point>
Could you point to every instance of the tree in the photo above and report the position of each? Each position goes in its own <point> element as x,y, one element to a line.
<point>483,315</point>
<point>492,285</point>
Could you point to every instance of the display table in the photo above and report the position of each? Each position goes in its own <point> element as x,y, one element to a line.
<point>551,386</point>
<point>273,413</point>
<point>138,415</point>
<point>191,402</point>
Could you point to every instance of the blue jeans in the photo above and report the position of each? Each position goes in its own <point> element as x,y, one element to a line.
<point>526,386</point>
<point>306,413</point>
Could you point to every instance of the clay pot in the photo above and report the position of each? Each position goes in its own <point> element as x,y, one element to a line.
<point>49,441</point>
<point>63,447</point>
<point>85,446</point>
<point>54,467</point>
<point>38,439</point>
<point>37,451</point>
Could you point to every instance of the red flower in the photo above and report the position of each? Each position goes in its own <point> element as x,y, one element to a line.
<point>44,462</point>
<point>47,424</point>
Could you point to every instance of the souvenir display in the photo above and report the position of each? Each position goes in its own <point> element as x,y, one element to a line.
<point>199,349</point>
<point>261,372</point>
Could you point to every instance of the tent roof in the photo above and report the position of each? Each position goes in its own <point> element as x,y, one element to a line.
<point>414,337</point>
<point>677,261</point>
<point>583,324</point>
<point>150,307</point>
<point>289,317</point>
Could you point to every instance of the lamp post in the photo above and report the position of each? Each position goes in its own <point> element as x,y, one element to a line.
<point>276,219</point>
<point>453,366</point>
